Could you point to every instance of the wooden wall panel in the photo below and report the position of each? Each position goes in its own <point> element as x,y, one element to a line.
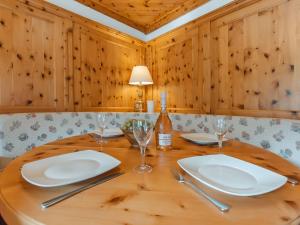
<point>242,60</point>
<point>180,65</point>
<point>256,60</point>
<point>104,65</point>
<point>40,53</point>
<point>245,61</point>
<point>31,60</point>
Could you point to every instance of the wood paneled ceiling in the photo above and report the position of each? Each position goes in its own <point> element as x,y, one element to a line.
<point>144,15</point>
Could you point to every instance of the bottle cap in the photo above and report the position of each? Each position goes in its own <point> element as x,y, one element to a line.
<point>163,94</point>
<point>163,99</point>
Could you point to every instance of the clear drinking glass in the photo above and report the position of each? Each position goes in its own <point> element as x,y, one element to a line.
<point>142,130</point>
<point>220,127</point>
<point>101,124</point>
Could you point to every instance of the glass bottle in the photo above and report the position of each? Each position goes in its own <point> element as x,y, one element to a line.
<point>163,126</point>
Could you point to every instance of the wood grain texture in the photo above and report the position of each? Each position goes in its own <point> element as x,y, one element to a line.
<point>155,198</point>
<point>38,60</point>
<point>256,60</point>
<point>103,68</point>
<point>242,59</point>
<point>145,16</point>
<point>31,60</point>
<point>180,65</point>
<point>246,66</point>
<point>75,18</point>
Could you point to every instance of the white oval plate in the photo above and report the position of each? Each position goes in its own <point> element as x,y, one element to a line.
<point>201,138</point>
<point>231,175</point>
<point>68,168</point>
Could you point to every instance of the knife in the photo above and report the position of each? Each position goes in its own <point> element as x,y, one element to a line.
<point>69,194</point>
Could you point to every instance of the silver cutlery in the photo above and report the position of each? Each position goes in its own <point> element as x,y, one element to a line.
<point>295,221</point>
<point>293,181</point>
<point>180,178</point>
<point>69,194</point>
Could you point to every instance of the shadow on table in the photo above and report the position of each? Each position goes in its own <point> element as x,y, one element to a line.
<point>2,222</point>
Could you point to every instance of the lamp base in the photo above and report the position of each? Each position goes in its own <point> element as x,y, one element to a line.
<point>138,106</point>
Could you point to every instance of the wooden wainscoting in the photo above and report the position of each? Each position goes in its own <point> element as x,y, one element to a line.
<point>180,65</point>
<point>256,60</point>
<point>46,52</point>
<point>103,65</point>
<point>243,59</point>
<point>32,60</point>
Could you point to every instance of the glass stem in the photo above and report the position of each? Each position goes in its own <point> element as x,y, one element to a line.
<point>143,149</point>
<point>100,140</point>
<point>101,134</point>
<point>220,141</point>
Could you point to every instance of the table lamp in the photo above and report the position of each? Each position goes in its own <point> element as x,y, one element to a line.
<point>140,76</point>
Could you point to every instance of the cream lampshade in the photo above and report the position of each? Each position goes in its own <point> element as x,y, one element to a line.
<point>140,76</point>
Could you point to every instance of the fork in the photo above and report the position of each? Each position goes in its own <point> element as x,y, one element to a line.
<point>292,180</point>
<point>180,178</point>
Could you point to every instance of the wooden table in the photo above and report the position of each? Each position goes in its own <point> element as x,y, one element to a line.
<point>155,198</point>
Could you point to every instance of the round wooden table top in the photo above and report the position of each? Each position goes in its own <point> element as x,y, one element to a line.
<point>154,198</point>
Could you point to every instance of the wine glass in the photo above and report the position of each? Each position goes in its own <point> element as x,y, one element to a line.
<point>220,127</point>
<point>101,124</point>
<point>142,131</point>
